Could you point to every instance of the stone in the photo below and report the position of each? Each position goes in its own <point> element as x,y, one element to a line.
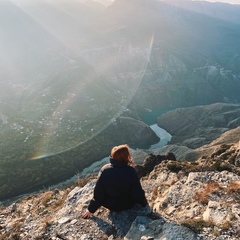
<point>217,213</point>
<point>63,220</point>
<point>144,228</point>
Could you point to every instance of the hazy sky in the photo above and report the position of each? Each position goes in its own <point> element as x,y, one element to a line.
<point>225,1</point>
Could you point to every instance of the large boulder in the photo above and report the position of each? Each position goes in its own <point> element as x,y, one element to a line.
<point>143,228</point>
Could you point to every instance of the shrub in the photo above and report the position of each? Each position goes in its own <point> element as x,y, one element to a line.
<point>197,225</point>
<point>174,167</point>
<point>46,198</point>
<point>233,188</point>
<point>210,188</point>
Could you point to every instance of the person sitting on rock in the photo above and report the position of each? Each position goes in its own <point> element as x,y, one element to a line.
<point>118,187</point>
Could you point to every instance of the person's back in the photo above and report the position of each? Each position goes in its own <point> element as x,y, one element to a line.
<point>118,187</point>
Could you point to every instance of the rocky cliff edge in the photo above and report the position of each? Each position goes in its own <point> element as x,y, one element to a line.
<point>187,200</point>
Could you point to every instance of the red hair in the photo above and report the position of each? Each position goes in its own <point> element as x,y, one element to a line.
<point>122,153</point>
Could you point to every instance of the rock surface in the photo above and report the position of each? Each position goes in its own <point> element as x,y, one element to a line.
<point>144,228</point>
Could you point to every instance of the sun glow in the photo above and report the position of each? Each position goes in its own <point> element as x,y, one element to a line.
<point>101,65</point>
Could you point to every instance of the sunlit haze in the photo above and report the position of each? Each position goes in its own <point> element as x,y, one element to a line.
<point>213,1</point>
<point>107,2</point>
<point>78,77</point>
<point>224,1</point>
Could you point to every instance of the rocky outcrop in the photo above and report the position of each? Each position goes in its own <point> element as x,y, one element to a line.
<point>57,215</point>
<point>200,194</point>
<point>229,137</point>
<point>151,161</point>
<point>145,229</point>
<point>196,126</point>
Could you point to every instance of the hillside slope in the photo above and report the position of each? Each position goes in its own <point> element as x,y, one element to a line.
<point>195,200</point>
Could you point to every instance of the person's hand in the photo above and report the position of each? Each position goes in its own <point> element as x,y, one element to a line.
<point>87,214</point>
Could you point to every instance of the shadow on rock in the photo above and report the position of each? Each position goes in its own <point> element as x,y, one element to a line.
<point>106,227</point>
<point>122,221</point>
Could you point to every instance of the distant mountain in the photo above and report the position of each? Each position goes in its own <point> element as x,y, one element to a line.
<point>198,131</point>
<point>180,55</point>
<point>190,53</point>
<point>221,11</point>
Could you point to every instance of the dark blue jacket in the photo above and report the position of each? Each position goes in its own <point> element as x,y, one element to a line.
<point>117,188</point>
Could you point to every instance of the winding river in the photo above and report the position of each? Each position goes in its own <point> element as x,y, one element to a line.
<point>164,136</point>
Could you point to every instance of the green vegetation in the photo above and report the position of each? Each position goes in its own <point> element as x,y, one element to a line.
<point>174,166</point>
<point>18,173</point>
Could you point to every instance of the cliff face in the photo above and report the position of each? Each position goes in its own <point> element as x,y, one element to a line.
<point>202,192</point>
<point>187,200</point>
<point>197,131</point>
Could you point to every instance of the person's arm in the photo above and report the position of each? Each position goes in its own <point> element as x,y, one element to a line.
<point>137,192</point>
<point>98,198</point>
